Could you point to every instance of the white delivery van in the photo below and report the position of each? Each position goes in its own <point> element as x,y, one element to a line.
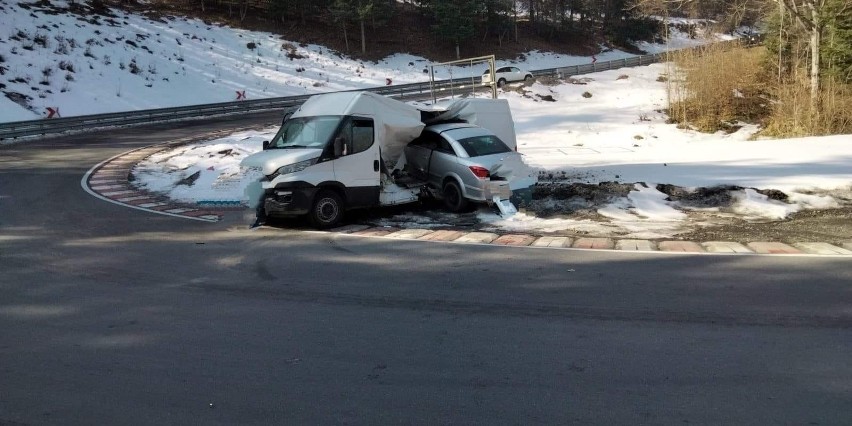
<point>342,151</point>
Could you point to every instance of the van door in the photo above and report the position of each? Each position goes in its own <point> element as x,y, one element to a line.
<point>357,166</point>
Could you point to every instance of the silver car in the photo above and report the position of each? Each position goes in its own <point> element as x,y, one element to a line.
<point>463,163</point>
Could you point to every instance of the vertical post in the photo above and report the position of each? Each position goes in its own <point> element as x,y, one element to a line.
<point>493,68</point>
<point>432,82</point>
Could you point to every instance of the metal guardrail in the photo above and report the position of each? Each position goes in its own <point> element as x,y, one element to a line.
<point>19,129</point>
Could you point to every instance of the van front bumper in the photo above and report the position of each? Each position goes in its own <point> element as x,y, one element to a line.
<point>289,200</point>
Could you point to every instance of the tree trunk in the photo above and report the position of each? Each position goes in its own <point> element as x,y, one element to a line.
<point>816,39</point>
<point>243,10</point>
<point>458,52</point>
<point>363,39</point>
<point>515,21</point>
<point>345,37</point>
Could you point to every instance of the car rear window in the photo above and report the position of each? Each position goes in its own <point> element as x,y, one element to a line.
<point>483,145</point>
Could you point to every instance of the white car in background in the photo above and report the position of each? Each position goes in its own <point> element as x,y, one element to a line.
<point>506,75</point>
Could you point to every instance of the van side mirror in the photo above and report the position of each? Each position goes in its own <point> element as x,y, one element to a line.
<point>265,145</point>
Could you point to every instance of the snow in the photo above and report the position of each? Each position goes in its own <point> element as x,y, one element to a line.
<point>617,134</point>
<point>753,205</point>
<point>131,62</point>
<point>593,140</point>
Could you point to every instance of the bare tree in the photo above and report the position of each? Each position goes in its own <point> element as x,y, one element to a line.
<point>807,14</point>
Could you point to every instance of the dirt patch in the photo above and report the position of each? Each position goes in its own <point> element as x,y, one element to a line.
<point>831,226</point>
<point>715,196</point>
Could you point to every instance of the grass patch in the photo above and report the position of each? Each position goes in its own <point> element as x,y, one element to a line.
<point>716,86</point>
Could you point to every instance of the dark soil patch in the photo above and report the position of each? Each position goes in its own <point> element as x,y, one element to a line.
<point>716,196</point>
<point>832,226</point>
<point>601,192</point>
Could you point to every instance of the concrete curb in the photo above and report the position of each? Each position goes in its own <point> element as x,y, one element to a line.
<point>109,181</point>
<point>610,244</point>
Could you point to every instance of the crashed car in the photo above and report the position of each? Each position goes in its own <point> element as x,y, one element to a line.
<point>463,163</point>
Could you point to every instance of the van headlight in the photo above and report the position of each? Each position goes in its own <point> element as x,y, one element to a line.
<point>292,168</point>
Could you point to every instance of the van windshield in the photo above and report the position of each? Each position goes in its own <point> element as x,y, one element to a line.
<point>305,132</point>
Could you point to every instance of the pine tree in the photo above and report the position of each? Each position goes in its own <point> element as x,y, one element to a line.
<point>455,20</point>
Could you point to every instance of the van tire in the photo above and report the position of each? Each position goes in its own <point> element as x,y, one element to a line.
<point>454,201</point>
<point>327,210</point>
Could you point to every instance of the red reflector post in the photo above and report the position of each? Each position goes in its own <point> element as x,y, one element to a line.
<point>480,172</point>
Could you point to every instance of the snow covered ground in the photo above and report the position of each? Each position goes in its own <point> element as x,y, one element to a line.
<point>615,135</point>
<point>94,64</point>
<point>106,63</point>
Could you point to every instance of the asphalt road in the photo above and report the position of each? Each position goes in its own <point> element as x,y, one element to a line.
<point>114,316</point>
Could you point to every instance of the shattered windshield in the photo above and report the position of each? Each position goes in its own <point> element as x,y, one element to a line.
<point>305,132</point>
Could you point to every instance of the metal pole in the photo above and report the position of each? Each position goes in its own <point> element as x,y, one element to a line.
<point>432,82</point>
<point>492,67</point>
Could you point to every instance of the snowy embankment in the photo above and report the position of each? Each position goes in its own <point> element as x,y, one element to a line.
<point>89,62</point>
<point>607,127</point>
<point>616,134</point>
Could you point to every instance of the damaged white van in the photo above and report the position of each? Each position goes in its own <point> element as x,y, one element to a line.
<point>347,150</point>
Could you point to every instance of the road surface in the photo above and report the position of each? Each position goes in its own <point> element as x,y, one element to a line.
<point>114,316</point>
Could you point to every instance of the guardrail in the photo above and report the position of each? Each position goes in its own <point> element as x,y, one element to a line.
<point>28,128</point>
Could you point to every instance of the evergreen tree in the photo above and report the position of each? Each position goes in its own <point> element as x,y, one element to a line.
<point>343,12</point>
<point>454,20</point>
<point>837,42</point>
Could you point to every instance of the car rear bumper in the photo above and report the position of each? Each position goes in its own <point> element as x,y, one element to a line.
<point>487,190</point>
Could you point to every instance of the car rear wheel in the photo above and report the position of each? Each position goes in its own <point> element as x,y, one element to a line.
<point>453,198</point>
<point>501,82</point>
<point>327,211</point>
<point>528,78</point>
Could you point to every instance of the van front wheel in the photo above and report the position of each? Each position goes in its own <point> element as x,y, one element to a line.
<point>327,211</point>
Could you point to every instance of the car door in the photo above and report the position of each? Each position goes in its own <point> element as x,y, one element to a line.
<point>357,166</point>
<point>418,153</point>
<point>444,161</point>
<point>503,73</point>
<point>515,74</point>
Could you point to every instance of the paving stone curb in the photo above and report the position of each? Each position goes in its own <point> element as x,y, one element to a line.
<point>112,181</point>
<point>612,244</point>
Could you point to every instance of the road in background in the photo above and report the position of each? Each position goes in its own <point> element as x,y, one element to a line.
<point>116,316</point>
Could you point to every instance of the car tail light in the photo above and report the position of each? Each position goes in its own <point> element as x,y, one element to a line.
<point>480,172</point>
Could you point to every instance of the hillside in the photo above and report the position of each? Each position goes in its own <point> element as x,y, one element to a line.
<point>83,59</point>
<point>404,30</point>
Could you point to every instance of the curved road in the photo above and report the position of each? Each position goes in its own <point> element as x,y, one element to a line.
<point>114,316</point>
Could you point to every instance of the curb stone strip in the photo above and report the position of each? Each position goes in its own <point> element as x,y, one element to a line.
<point>514,240</point>
<point>680,246</point>
<point>108,181</point>
<point>725,247</point>
<point>552,242</point>
<point>409,234</point>
<point>104,172</point>
<point>772,248</point>
<point>477,237</point>
<point>443,235</point>
<point>634,245</point>
<point>594,243</point>
<point>820,248</point>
